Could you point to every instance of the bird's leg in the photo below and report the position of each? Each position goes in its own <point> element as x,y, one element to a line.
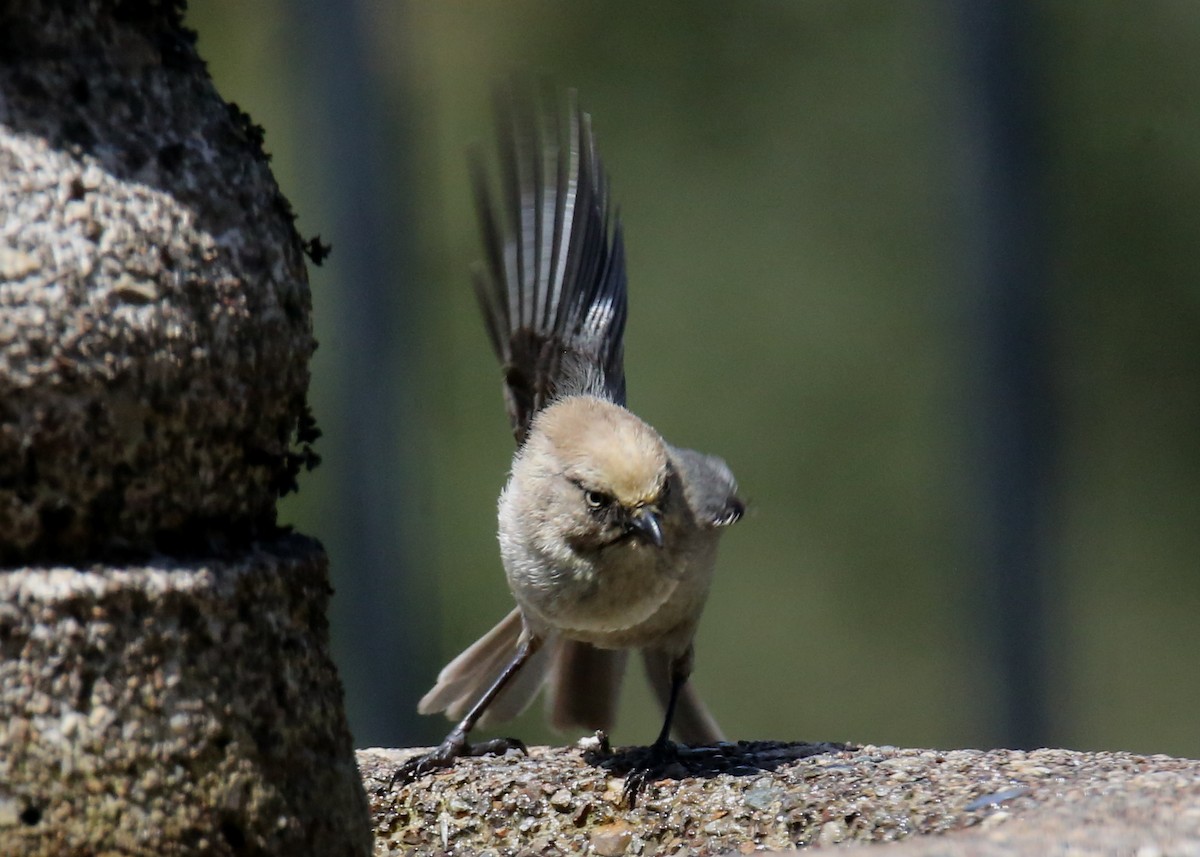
<point>455,745</point>
<point>677,681</point>
<point>662,753</point>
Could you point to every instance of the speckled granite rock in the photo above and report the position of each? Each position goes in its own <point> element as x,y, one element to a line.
<point>154,308</point>
<point>775,797</point>
<point>175,708</point>
<point>154,346</point>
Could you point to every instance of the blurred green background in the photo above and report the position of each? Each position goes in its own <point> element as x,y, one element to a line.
<point>828,206</point>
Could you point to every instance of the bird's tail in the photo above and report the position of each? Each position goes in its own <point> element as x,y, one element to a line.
<point>464,680</point>
<point>693,723</point>
<point>585,684</point>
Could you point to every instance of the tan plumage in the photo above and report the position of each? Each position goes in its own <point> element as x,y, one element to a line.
<point>608,534</point>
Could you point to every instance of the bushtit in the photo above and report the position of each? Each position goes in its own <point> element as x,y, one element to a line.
<point>608,534</point>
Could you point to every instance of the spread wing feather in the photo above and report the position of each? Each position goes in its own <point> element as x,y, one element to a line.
<point>552,283</point>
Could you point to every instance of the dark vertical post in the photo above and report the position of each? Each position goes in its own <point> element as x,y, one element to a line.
<point>1011,392</point>
<point>376,630</point>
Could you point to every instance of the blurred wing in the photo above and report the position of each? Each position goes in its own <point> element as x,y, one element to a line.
<point>709,487</point>
<point>552,283</point>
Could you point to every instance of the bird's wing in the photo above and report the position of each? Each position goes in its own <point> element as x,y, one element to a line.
<point>463,681</point>
<point>709,487</point>
<point>552,283</point>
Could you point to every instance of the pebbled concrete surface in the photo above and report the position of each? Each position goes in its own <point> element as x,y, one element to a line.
<point>921,802</point>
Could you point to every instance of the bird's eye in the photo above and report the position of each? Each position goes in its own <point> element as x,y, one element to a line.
<point>596,499</point>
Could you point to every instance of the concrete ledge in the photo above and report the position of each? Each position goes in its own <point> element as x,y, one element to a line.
<point>755,798</point>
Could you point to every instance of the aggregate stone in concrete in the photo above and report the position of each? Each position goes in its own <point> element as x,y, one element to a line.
<point>175,708</point>
<point>775,797</point>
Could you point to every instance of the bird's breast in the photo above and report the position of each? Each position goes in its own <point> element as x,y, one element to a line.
<point>619,597</point>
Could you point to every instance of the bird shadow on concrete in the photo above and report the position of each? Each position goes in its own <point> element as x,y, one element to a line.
<point>738,759</point>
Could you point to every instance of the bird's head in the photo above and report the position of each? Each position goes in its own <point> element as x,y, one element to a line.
<point>605,473</point>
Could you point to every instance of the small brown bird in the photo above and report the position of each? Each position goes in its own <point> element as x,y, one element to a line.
<point>608,534</point>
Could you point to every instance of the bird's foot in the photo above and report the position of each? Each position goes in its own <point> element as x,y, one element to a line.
<point>455,746</point>
<point>661,759</point>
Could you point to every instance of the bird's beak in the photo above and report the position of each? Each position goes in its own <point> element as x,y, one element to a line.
<point>647,523</point>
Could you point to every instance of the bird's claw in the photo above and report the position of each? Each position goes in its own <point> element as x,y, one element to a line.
<point>443,755</point>
<point>660,759</point>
